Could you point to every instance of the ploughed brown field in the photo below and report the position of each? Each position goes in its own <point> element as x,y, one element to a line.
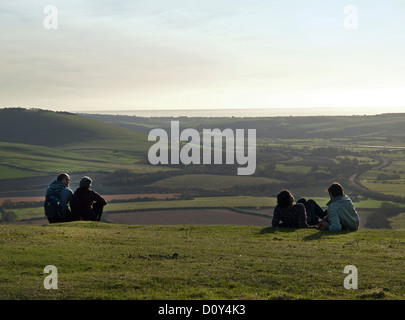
<point>221,216</point>
<point>188,216</point>
<point>108,197</point>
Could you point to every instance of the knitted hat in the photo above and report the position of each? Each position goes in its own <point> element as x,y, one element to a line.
<point>85,182</point>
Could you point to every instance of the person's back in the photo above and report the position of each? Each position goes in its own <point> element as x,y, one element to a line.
<point>86,204</point>
<point>342,214</point>
<point>292,217</point>
<point>286,214</point>
<point>60,189</point>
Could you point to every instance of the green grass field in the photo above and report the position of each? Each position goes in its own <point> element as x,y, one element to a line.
<point>105,261</point>
<point>211,181</point>
<point>19,160</point>
<point>196,203</point>
<point>398,222</point>
<point>396,188</point>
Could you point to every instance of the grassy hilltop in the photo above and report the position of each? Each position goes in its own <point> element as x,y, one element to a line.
<point>105,261</point>
<point>52,129</point>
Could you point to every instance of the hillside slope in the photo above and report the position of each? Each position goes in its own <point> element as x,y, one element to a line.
<point>106,261</point>
<point>48,128</point>
<point>385,126</point>
<point>37,143</point>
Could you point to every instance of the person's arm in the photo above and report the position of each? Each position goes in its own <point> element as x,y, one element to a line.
<point>276,217</point>
<point>302,216</point>
<point>99,199</point>
<point>66,196</point>
<point>334,221</point>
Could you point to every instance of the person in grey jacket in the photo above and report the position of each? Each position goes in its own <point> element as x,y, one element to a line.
<point>341,213</point>
<point>60,188</point>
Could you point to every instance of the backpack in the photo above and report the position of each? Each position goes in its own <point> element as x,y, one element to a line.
<point>51,206</point>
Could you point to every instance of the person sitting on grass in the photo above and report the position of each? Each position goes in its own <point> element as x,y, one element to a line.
<point>86,204</point>
<point>59,189</point>
<point>341,213</point>
<point>287,214</point>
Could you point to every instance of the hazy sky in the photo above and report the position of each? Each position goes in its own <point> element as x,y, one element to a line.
<point>195,54</point>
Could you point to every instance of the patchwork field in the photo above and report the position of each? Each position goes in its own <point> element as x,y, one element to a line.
<point>211,181</point>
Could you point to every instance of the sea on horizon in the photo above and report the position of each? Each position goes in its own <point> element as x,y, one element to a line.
<point>273,112</point>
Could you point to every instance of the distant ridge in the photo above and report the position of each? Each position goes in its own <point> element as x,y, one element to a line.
<point>247,112</point>
<point>386,126</point>
<point>49,128</point>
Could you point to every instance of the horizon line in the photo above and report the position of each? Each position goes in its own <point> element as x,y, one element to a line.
<point>288,112</point>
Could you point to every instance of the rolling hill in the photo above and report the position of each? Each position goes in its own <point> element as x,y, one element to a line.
<point>55,129</point>
<point>36,142</point>
<point>361,128</point>
<point>303,154</point>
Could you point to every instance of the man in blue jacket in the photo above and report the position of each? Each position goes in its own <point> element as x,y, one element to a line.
<point>341,213</point>
<point>60,189</point>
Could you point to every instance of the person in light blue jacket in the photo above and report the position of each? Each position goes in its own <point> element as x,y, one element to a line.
<point>341,213</point>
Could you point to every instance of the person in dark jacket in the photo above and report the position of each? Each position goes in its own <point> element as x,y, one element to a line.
<point>287,214</point>
<point>87,204</point>
<point>60,189</point>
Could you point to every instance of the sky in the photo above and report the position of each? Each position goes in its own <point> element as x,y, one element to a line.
<point>203,54</point>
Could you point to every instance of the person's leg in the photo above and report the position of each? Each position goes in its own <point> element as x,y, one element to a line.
<point>97,211</point>
<point>310,213</point>
<point>310,207</point>
<point>319,212</point>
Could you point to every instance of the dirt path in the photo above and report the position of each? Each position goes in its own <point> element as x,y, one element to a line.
<point>384,162</point>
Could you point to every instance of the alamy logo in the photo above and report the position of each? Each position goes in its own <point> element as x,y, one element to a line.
<point>51,281</point>
<point>194,153</point>
<point>51,20</point>
<point>350,281</point>
<point>351,19</point>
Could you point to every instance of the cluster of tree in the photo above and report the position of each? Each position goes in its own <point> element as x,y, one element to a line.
<point>322,171</point>
<point>266,189</point>
<point>7,216</point>
<point>148,199</point>
<point>378,196</point>
<point>379,218</point>
<point>8,204</point>
<point>347,167</point>
<point>386,176</point>
<point>124,177</point>
<point>377,221</point>
<point>389,209</point>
